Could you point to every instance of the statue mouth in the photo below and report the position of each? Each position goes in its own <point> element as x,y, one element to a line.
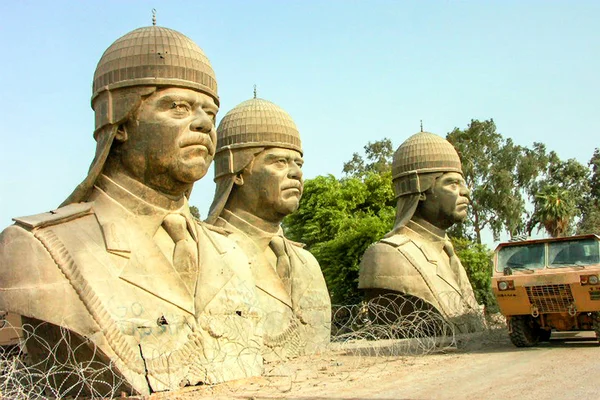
<point>297,187</point>
<point>200,141</point>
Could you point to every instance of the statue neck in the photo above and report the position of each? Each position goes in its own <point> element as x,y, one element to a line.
<point>253,220</point>
<point>172,191</point>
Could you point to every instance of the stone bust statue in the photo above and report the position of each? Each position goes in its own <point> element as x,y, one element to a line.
<point>258,171</point>
<point>122,266</point>
<point>415,263</point>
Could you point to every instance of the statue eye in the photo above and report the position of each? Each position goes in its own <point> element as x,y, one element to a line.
<point>180,107</point>
<point>212,115</point>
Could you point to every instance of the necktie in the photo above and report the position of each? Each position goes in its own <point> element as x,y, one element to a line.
<point>185,253</point>
<point>283,261</point>
<point>449,249</point>
<point>467,293</point>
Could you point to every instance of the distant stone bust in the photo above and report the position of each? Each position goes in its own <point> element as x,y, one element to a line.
<point>122,266</point>
<point>416,261</point>
<point>258,171</point>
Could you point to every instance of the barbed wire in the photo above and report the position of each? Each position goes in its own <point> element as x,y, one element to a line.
<point>57,370</point>
<point>362,334</point>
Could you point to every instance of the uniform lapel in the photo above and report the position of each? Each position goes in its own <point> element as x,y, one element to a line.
<point>213,271</point>
<point>147,268</point>
<point>448,276</point>
<point>300,273</point>
<point>265,276</point>
<point>442,271</point>
<point>268,280</point>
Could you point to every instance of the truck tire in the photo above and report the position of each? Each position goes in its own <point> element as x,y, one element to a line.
<point>544,334</point>
<point>596,324</point>
<point>524,332</point>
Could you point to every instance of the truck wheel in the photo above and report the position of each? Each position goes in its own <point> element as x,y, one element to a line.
<point>596,324</point>
<point>524,332</point>
<point>544,334</point>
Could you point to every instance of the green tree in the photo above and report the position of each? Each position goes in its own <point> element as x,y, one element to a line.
<point>378,159</point>
<point>337,220</point>
<point>477,260</point>
<point>195,212</point>
<point>559,195</point>
<point>496,171</point>
<point>590,219</point>
<point>554,210</point>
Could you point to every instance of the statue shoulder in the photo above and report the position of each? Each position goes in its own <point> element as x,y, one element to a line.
<point>220,238</point>
<point>27,267</point>
<point>307,256</point>
<point>396,240</point>
<point>386,260</point>
<point>58,216</point>
<point>23,257</point>
<point>296,244</point>
<point>221,230</point>
<point>387,247</point>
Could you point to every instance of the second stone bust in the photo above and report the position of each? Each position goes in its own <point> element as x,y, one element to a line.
<point>258,171</point>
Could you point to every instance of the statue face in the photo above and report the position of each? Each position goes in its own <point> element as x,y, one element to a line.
<point>171,140</point>
<point>272,184</point>
<point>446,202</point>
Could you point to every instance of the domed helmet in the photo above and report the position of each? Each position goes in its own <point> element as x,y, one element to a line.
<point>422,154</point>
<point>132,67</point>
<point>245,131</point>
<point>418,161</point>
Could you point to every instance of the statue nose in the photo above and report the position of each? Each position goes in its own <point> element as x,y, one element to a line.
<point>202,123</point>
<point>295,172</point>
<point>464,191</point>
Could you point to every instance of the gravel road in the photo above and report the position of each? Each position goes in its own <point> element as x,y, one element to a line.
<point>484,367</point>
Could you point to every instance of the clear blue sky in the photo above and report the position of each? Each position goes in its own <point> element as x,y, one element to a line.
<point>348,72</point>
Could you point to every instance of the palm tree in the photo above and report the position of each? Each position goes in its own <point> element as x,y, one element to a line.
<point>553,210</point>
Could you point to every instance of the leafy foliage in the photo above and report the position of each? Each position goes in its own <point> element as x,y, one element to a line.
<point>554,209</point>
<point>195,212</point>
<point>495,170</point>
<point>378,159</point>
<point>559,196</point>
<point>477,260</point>
<point>590,219</point>
<point>338,220</point>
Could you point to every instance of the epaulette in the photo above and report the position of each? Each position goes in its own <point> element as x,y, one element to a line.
<point>297,244</point>
<point>60,215</point>
<point>396,240</point>
<point>218,229</point>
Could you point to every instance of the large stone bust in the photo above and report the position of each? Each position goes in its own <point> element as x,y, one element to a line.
<point>258,171</point>
<point>415,262</point>
<point>122,266</point>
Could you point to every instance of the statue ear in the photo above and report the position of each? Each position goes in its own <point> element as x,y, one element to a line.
<point>239,179</point>
<point>422,197</point>
<point>121,134</point>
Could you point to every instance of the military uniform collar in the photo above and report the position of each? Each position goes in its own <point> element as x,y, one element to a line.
<point>435,237</point>
<point>260,237</point>
<point>148,215</point>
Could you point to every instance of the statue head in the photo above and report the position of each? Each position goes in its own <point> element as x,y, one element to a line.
<point>258,162</point>
<point>155,101</point>
<point>428,181</point>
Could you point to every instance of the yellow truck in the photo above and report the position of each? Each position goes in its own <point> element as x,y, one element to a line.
<point>548,284</point>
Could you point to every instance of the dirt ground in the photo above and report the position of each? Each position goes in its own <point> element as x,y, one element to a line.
<point>487,366</point>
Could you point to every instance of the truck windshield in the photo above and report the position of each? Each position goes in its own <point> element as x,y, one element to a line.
<point>525,257</point>
<point>573,253</point>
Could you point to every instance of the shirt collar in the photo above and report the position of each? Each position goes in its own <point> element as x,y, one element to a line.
<point>148,205</point>
<point>435,237</point>
<point>261,237</point>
